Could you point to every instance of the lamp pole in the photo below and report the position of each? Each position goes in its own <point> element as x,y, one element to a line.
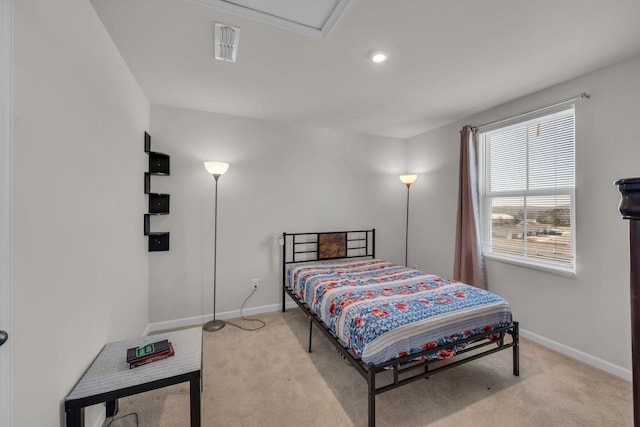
<point>407,180</point>
<point>215,169</point>
<point>406,232</point>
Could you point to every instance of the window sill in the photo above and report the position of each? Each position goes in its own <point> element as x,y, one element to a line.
<point>565,272</point>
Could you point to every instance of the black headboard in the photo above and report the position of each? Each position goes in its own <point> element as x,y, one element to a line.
<point>306,247</point>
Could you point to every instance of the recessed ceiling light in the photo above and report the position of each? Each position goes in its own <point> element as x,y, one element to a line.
<point>379,56</point>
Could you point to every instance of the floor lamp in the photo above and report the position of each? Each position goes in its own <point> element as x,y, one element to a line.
<point>216,169</point>
<point>407,180</point>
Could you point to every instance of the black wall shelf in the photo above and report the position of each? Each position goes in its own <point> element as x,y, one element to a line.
<point>159,164</point>
<point>158,203</point>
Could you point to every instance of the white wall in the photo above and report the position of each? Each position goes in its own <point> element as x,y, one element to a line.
<point>80,265</point>
<point>589,313</point>
<point>282,178</point>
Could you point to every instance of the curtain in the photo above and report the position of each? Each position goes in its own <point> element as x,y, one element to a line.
<point>469,263</point>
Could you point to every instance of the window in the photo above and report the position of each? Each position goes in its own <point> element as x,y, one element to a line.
<point>527,185</point>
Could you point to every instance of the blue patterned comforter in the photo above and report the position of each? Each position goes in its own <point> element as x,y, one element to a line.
<point>380,310</point>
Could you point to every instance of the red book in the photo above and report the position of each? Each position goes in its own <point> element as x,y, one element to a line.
<point>137,354</point>
<point>152,358</point>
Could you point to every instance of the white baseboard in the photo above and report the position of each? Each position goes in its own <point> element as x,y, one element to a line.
<point>596,362</point>
<point>199,320</point>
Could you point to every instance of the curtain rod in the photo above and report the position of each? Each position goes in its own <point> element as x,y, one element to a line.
<point>583,95</point>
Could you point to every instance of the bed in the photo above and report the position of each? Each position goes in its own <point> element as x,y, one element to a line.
<point>384,317</point>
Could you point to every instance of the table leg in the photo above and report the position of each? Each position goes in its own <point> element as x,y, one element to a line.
<point>194,395</point>
<point>112,408</point>
<point>75,417</point>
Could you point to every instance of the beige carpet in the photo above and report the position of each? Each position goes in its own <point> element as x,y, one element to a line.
<point>266,378</point>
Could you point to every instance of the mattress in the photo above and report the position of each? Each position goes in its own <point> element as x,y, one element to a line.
<point>379,310</point>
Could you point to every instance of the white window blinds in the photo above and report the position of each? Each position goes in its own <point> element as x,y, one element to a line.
<point>528,190</point>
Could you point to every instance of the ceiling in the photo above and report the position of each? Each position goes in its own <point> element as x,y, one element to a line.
<point>312,17</point>
<point>448,59</point>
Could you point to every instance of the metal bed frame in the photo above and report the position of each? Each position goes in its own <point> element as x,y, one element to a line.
<point>306,247</point>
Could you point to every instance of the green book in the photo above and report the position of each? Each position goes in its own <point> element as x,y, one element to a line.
<point>138,354</point>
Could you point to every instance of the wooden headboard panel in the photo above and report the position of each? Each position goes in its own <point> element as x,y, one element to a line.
<point>306,247</point>
<point>332,245</point>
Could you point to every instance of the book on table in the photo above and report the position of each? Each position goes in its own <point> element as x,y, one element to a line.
<point>150,352</point>
<point>153,358</point>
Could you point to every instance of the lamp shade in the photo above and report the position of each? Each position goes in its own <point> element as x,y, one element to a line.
<point>379,56</point>
<point>408,179</point>
<point>216,168</point>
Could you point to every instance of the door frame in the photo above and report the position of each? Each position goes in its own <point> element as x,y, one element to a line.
<point>6,174</point>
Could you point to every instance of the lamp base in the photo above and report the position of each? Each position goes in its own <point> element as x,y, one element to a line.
<point>213,325</point>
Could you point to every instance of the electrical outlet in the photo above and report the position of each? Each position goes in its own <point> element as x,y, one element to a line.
<point>255,283</point>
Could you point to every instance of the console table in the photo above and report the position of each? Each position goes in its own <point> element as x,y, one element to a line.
<point>109,377</point>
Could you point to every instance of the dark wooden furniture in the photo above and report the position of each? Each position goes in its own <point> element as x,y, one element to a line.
<point>307,247</point>
<point>159,164</point>
<point>109,377</point>
<point>630,209</point>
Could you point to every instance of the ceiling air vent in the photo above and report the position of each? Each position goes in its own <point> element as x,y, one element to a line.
<point>226,42</point>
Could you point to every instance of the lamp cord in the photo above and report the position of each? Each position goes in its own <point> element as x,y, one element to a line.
<point>114,418</point>
<point>215,272</point>
<point>262,323</point>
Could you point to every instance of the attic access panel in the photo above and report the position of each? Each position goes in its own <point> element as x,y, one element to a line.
<point>311,17</point>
